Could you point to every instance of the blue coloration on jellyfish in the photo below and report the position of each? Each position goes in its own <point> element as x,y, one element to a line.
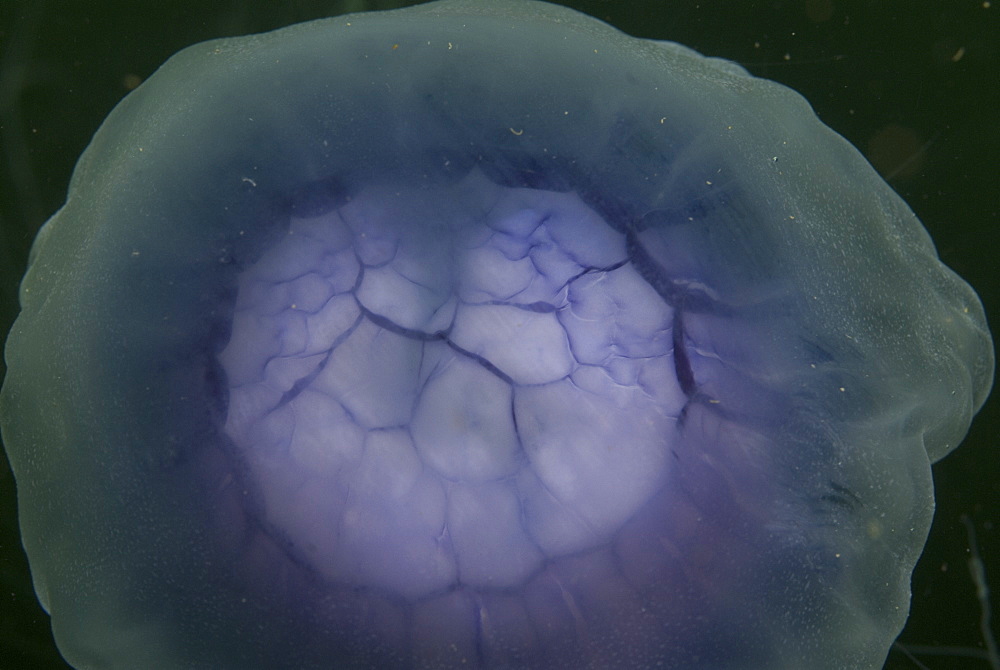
<point>479,335</point>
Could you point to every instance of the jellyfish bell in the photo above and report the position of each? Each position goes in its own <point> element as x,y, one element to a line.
<point>479,334</point>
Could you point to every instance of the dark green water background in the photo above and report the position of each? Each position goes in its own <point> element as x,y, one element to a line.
<point>914,84</point>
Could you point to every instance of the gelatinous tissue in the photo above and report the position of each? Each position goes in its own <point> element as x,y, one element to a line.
<point>479,335</point>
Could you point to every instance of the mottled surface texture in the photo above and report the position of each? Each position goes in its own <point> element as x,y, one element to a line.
<point>479,335</point>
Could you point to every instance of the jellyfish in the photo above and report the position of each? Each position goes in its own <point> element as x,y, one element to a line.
<point>479,335</point>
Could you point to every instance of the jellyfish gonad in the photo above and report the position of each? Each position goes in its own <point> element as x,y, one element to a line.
<point>479,335</point>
